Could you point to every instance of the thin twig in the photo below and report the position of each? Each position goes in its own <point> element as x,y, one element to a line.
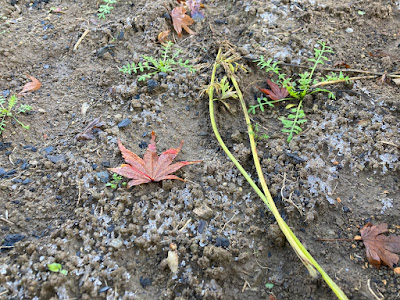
<point>184,226</point>
<point>389,143</point>
<point>6,221</point>
<point>340,70</point>
<point>373,293</point>
<point>340,80</point>
<point>81,39</point>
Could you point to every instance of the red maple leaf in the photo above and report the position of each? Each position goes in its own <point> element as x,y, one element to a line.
<point>30,86</point>
<point>151,167</point>
<point>275,93</point>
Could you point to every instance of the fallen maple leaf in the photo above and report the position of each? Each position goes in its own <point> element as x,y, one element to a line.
<point>181,20</point>
<point>30,86</point>
<point>380,248</point>
<point>276,92</point>
<point>151,167</point>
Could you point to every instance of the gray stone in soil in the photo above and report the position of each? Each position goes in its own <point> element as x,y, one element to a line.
<point>144,281</point>
<point>222,242</point>
<point>152,85</point>
<point>104,177</point>
<point>204,212</point>
<point>11,239</point>
<point>124,123</point>
<point>56,158</point>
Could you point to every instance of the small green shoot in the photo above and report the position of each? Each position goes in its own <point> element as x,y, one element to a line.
<point>257,136</point>
<point>9,110</point>
<point>269,285</point>
<point>106,8</point>
<point>298,88</point>
<point>166,64</point>
<point>57,268</point>
<point>116,181</point>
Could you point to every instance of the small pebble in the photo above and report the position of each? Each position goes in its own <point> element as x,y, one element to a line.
<point>144,281</point>
<point>104,289</point>
<point>222,242</point>
<point>30,147</point>
<point>124,123</point>
<point>349,30</point>
<point>56,158</point>
<point>116,243</point>
<point>26,181</point>
<point>48,149</point>
<point>104,177</point>
<point>152,84</point>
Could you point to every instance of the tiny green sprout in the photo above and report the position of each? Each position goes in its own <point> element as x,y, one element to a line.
<point>57,268</point>
<point>116,181</point>
<point>269,285</point>
<point>8,109</point>
<point>165,64</point>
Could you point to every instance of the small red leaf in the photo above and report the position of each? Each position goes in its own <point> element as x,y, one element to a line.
<point>151,167</point>
<point>275,93</point>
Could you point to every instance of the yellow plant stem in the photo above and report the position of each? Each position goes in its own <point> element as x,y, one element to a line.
<point>299,249</point>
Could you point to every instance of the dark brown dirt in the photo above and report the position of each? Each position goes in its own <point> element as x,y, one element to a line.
<point>114,242</point>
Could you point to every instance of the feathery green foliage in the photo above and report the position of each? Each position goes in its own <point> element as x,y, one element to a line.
<point>7,109</point>
<point>166,63</point>
<point>298,88</point>
<point>106,8</point>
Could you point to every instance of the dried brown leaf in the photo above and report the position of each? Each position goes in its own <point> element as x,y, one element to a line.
<point>163,36</point>
<point>151,167</point>
<point>30,86</point>
<point>380,248</point>
<point>87,133</point>
<point>181,20</point>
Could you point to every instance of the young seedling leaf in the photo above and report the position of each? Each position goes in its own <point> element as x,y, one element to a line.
<point>30,86</point>
<point>181,20</point>
<point>151,167</point>
<point>276,92</point>
<point>380,248</point>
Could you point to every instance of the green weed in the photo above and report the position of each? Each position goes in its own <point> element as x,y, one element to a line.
<point>116,181</point>
<point>9,110</point>
<point>54,267</point>
<point>166,64</point>
<point>106,8</point>
<point>298,88</point>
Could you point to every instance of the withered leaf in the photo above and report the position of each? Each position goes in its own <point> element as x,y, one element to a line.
<point>380,248</point>
<point>181,20</point>
<point>163,36</point>
<point>87,133</point>
<point>276,92</point>
<point>151,167</point>
<point>30,86</point>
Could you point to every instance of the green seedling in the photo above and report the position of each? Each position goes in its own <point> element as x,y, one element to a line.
<point>298,88</point>
<point>106,8</point>
<point>257,136</point>
<point>166,64</point>
<point>57,268</point>
<point>9,110</point>
<point>116,181</point>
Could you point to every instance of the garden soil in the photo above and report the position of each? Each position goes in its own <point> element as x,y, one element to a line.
<point>339,173</point>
